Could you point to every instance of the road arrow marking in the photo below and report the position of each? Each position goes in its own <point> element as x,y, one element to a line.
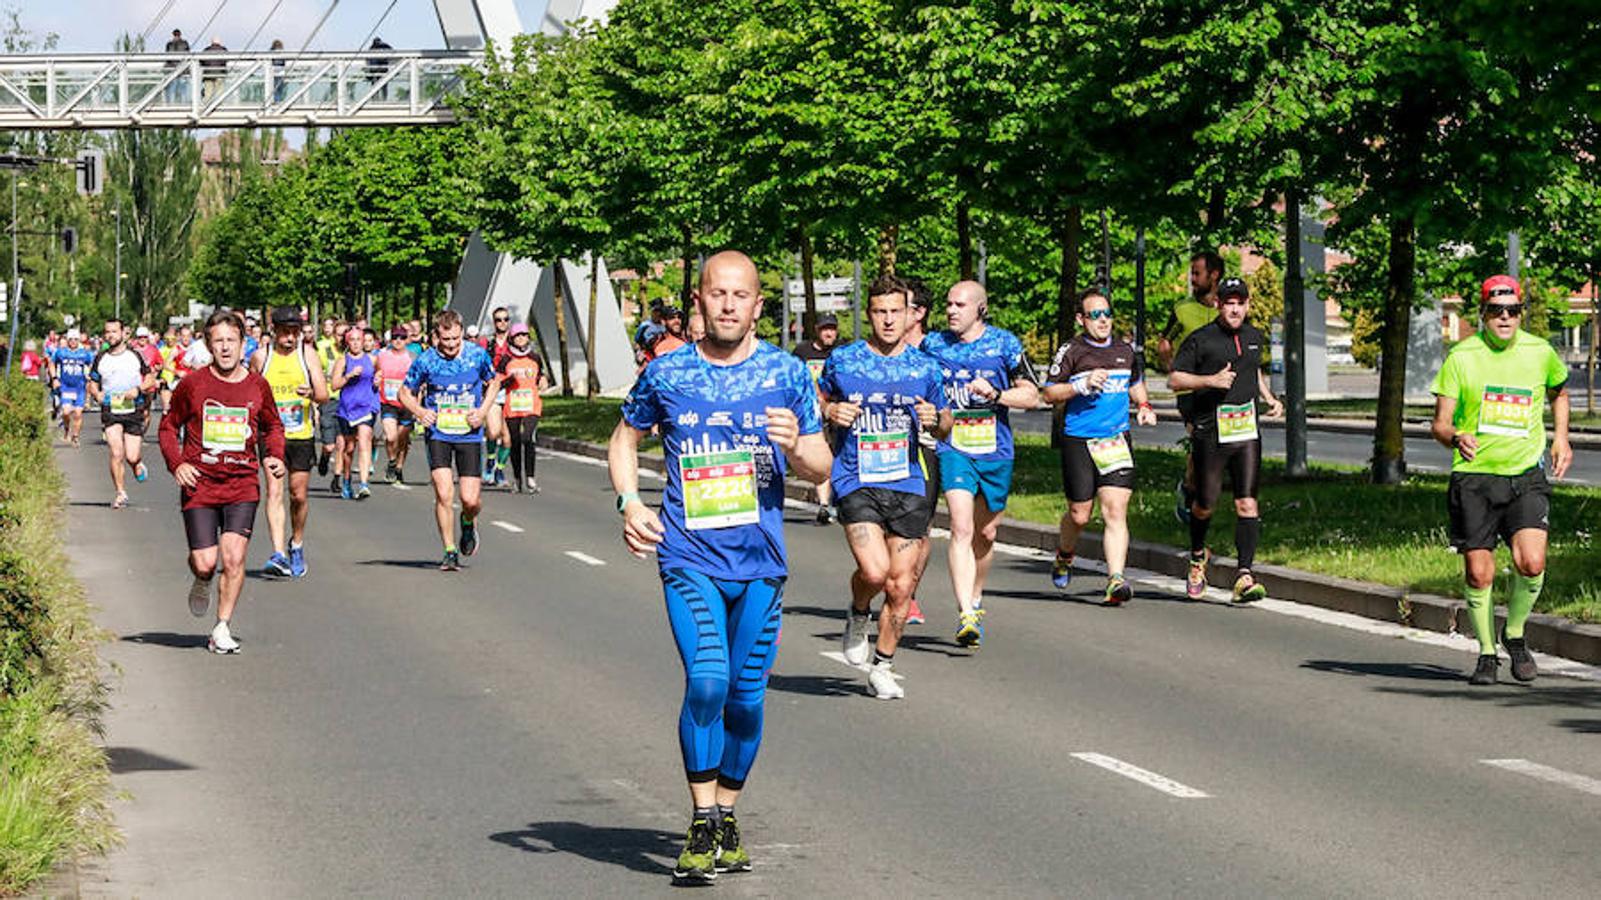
<point>1143,776</point>
<point>1545,773</point>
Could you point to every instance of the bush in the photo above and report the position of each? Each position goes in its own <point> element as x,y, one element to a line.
<point>53,775</point>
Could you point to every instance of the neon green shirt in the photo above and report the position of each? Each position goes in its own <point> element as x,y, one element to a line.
<point>1500,399</point>
<point>1189,315</point>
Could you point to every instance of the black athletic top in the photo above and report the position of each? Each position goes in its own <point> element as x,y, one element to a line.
<point>1206,352</point>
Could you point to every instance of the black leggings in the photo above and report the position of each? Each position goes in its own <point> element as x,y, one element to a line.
<point>523,429</point>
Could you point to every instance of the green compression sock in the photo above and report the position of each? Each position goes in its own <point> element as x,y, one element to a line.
<point>502,456</point>
<point>1482,612</point>
<point>1525,591</point>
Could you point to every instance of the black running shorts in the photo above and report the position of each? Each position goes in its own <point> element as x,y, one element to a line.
<point>899,513</point>
<point>930,457</point>
<point>1486,509</point>
<point>202,524</point>
<point>466,457</point>
<point>300,455</point>
<point>1242,460</point>
<point>131,423</point>
<point>1080,477</point>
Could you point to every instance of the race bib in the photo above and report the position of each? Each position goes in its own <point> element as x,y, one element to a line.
<point>522,400</point>
<point>883,457</point>
<point>293,416</point>
<point>815,366</point>
<point>1236,422</point>
<point>1110,454</point>
<point>121,404</point>
<point>974,431</point>
<point>224,428</point>
<point>451,414</point>
<point>392,389</point>
<point>719,489</point>
<point>1506,410</point>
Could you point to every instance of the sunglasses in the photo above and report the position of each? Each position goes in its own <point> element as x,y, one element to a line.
<point>1098,314</point>
<point>500,319</point>
<point>1496,310</point>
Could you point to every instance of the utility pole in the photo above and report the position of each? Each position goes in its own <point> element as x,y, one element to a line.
<point>1139,290</point>
<point>1295,465</point>
<point>117,214</point>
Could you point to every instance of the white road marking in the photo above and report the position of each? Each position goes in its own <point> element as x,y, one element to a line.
<point>507,526</point>
<point>1143,776</point>
<point>401,487</point>
<point>601,463</point>
<point>1582,783</point>
<point>585,558</point>
<point>839,657</point>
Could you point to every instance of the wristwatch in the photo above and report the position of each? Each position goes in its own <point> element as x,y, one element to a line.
<point>624,499</point>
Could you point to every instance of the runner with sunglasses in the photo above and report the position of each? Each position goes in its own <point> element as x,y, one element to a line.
<point>1489,407</point>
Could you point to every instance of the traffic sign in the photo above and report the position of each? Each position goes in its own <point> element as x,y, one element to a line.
<point>91,172</point>
<point>69,240</point>
<point>833,294</point>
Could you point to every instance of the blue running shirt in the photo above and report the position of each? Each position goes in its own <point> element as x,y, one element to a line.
<point>451,388</point>
<point>730,522</point>
<point>982,429</point>
<point>72,367</point>
<point>880,448</point>
<point>1104,413</point>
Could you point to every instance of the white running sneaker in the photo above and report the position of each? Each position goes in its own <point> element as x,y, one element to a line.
<point>199,597</point>
<point>222,639</point>
<point>856,625</point>
<point>881,683</point>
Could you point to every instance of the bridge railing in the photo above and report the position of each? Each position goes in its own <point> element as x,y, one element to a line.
<point>230,89</point>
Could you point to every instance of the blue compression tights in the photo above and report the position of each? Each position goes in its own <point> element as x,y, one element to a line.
<point>727,636</point>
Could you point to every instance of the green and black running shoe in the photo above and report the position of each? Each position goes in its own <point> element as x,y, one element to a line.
<point>698,862</point>
<point>731,853</point>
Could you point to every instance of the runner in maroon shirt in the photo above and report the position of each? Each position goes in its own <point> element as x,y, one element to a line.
<point>219,419</point>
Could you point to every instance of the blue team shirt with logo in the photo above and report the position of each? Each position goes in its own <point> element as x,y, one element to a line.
<point>997,357</point>
<point>887,388</point>
<point>433,378</point>
<point>703,410</point>
<point>72,367</point>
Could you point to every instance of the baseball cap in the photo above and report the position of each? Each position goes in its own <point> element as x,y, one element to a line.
<point>827,320</point>
<point>141,331</point>
<point>74,334</point>
<point>398,333</point>
<point>672,312</point>
<point>1498,286</point>
<point>1233,287</point>
<point>472,330</point>
<point>519,328</point>
<point>287,317</point>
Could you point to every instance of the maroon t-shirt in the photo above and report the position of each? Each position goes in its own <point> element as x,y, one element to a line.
<point>216,426</point>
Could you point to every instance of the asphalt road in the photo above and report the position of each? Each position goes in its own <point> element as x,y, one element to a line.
<point>1422,454</point>
<point>509,730</point>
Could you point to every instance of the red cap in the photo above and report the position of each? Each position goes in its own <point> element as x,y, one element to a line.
<point>1495,282</point>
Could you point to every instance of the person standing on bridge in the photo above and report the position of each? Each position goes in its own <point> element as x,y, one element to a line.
<point>222,419</point>
<point>734,413</point>
<point>1489,407</point>
<point>175,91</point>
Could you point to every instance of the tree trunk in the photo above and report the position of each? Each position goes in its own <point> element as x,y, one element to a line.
<point>561,327</point>
<point>593,387</point>
<point>689,272</point>
<point>1294,340</point>
<point>1389,449</point>
<point>1216,210</point>
<point>808,318</point>
<point>1595,338</point>
<point>416,300</point>
<point>964,239</point>
<point>888,242</point>
<point>1067,236</point>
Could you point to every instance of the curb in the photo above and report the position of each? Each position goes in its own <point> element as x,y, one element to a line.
<point>1428,612</point>
<point>1410,428</point>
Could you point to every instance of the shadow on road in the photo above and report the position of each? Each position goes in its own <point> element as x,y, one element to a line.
<point>1415,671</point>
<point>1513,695</point>
<point>1582,726</point>
<point>631,848</point>
<point>402,563</point>
<point>166,639</point>
<point>132,759</point>
<point>817,685</point>
<point>821,612</point>
<point>103,504</point>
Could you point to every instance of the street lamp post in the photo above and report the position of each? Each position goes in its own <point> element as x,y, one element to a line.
<point>117,214</point>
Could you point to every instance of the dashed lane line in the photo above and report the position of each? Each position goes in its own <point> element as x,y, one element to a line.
<point>585,558</point>
<point>1582,783</point>
<point>1143,776</point>
<point>507,526</point>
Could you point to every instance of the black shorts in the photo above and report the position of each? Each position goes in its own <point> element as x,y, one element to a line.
<point>901,514</point>
<point>348,427</point>
<point>1080,476</point>
<point>202,524</point>
<point>401,415</point>
<point>1486,509</point>
<point>467,457</point>
<point>328,421</point>
<point>1186,404</point>
<point>132,423</point>
<point>300,455</point>
<point>1243,461</point>
<point>930,457</point>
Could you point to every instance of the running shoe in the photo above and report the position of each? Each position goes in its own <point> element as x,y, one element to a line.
<point>1485,672</point>
<point>698,862</point>
<point>731,853</point>
<point>391,474</point>
<point>333,485</point>
<point>120,501</point>
<point>278,565</point>
<point>363,491</point>
<point>1118,591</point>
<point>297,561</point>
<point>345,493</point>
<point>971,632</point>
<point>1247,589</point>
<point>881,683</point>
<point>140,473</point>
<point>1195,582</point>
<point>825,515</point>
<point>1062,570</point>
<point>199,597</point>
<point>533,486</point>
<point>1523,666</point>
<point>322,464</point>
<point>451,562</point>
<point>914,613</point>
<point>855,640</point>
<point>469,538</point>
<point>1181,503</point>
<point>222,640</point>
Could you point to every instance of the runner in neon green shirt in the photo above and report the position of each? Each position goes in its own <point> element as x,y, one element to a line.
<point>1490,408</point>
